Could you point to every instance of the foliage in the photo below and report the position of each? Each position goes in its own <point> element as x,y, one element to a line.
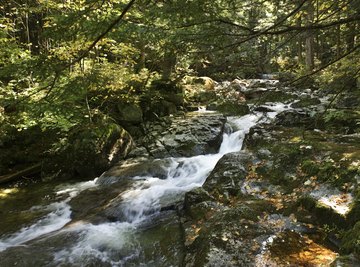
<point>58,70</point>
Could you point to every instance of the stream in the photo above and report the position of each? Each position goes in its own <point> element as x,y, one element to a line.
<point>149,235</point>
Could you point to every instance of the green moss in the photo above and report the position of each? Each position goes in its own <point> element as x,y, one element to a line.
<point>274,96</point>
<point>310,167</point>
<point>350,242</point>
<point>342,121</point>
<point>324,214</point>
<point>336,173</point>
<point>233,108</point>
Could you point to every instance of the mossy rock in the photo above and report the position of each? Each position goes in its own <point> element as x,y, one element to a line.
<point>198,202</point>
<point>324,214</point>
<point>350,242</point>
<point>89,151</point>
<point>130,113</point>
<point>342,121</point>
<point>336,173</point>
<point>166,86</point>
<point>229,237</point>
<point>207,82</point>
<point>204,97</point>
<point>354,214</point>
<point>176,99</point>
<point>225,181</point>
<point>273,96</point>
<point>199,90</point>
<point>233,109</point>
<point>22,149</point>
<point>296,118</point>
<point>306,102</point>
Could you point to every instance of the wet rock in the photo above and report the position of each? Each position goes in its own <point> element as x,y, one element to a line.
<point>138,152</point>
<point>89,205</point>
<point>141,167</point>
<point>160,241</point>
<point>254,93</point>
<point>231,237</point>
<point>293,118</point>
<point>263,109</point>
<point>197,134</point>
<point>228,175</point>
<point>233,108</point>
<point>306,102</point>
<point>289,248</point>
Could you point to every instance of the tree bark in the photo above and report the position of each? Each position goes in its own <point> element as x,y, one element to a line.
<point>169,63</point>
<point>299,43</point>
<point>309,41</point>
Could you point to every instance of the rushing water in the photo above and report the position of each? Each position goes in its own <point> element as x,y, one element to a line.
<point>118,243</point>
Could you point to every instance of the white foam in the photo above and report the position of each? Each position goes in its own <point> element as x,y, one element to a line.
<point>58,216</point>
<point>100,242</point>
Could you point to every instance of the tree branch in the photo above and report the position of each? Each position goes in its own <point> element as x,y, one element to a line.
<point>262,32</point>
<point>326,65</point>
<point>315,26</point>
<point>85,52</point>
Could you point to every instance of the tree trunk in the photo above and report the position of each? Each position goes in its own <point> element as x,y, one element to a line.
<point>350,36</point>
<point>299,43</point>
<point>141,61</point>
<point>309,41</point>
<point>168,64</point>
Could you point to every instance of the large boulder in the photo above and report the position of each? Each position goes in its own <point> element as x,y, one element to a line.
<point>130,113</point>
<point>136,167</point>
<point>195,134</point>
<point>199,89</point>
<point>228,238</point>
<point>228,175</point>
<point>89,151</point>
<point>232,108</point>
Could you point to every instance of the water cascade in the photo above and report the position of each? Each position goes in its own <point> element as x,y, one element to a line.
<point>117,243</point>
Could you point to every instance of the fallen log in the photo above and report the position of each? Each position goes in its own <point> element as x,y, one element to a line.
<point>19,174</point>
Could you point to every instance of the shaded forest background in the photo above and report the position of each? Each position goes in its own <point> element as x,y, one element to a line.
<point>75,75</point>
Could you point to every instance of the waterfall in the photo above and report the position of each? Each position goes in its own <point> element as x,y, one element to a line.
<point>115,242</point>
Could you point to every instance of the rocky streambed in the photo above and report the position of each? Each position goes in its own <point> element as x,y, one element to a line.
<point>271,184</point>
